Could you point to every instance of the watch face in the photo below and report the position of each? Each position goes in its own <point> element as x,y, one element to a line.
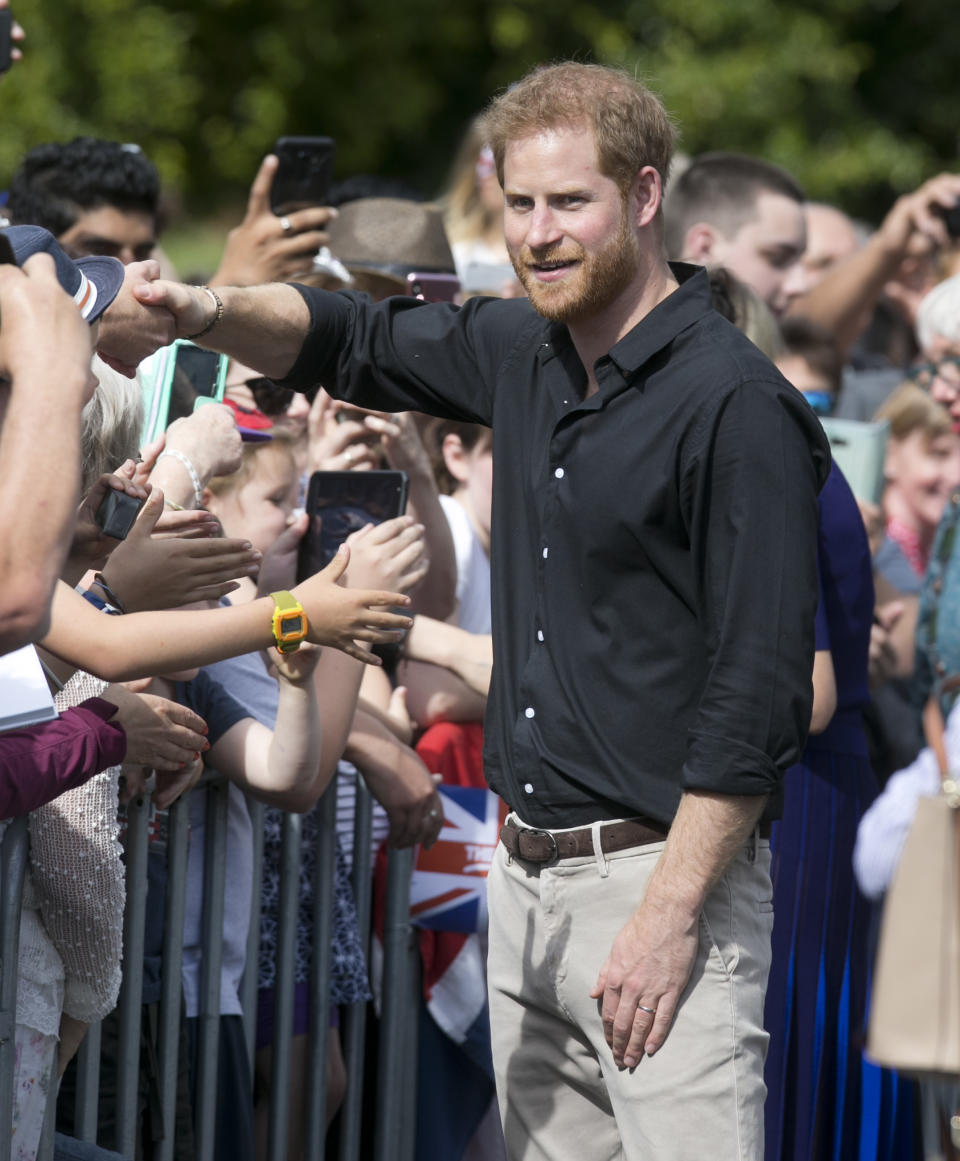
<point>292,625</point>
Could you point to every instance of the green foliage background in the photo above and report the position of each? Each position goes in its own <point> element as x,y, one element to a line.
<point>856,97</point>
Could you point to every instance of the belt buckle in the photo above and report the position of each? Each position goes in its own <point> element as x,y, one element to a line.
<point>532,830</point>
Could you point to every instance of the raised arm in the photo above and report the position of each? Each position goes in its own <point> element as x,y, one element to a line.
<point>142,644</point>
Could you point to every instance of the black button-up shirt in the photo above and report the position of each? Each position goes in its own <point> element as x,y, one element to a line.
<point>653,547</point>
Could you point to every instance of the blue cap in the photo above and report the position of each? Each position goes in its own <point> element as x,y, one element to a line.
<point>92,283</point>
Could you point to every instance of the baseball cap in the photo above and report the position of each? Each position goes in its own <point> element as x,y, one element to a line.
<point>92,283</point>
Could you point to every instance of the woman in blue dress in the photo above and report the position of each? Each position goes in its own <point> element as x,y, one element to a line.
<point>824,1102</point>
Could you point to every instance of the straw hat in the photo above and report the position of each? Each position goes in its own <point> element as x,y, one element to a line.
<point>391,237</point>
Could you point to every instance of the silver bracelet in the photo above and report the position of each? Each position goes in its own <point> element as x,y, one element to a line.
<point>194,478</point>
<point>217,313</point>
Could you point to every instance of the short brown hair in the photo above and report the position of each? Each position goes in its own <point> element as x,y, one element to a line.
<point>630,125</point>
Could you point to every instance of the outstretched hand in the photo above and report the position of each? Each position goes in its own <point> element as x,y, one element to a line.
<point>349,619</point>
<point>391,554</point>
<point>165,572</point>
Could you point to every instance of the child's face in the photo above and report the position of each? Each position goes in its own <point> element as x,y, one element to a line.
<point>260,508</point>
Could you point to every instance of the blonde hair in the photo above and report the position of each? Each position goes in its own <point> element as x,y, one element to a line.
<point>110,423</point>
<point>911,409</point>
<point>466,214</point>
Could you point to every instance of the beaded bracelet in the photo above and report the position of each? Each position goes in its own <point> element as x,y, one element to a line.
<point>192,471</point>
<point>217,314</point>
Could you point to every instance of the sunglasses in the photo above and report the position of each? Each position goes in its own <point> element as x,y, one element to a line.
<point>271,399</point>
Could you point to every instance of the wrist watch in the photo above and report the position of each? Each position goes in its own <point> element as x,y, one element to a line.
<point>289,622</point>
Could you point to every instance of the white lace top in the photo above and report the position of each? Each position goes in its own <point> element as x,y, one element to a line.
<point>71,930</point>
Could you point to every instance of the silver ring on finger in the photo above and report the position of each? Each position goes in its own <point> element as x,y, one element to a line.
<point>434,813</point>
<point>286,225</point>
<point>351,454</point>
<point>649,1011</point>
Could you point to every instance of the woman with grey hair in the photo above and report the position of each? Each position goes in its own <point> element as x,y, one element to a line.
<point>938,333</point>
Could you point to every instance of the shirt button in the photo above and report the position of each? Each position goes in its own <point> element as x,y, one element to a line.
<point>528,788</point>
<point>559,473</point>
<point>539,634</point>
<point>546,553</point>
<point>529,712</point>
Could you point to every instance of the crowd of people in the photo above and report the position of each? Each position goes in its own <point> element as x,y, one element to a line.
<point>710,653</point>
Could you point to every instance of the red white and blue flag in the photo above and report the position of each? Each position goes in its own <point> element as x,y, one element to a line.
<point>449,887</point>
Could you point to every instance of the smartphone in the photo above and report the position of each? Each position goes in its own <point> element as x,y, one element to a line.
<point>951,219</point>
<point>6,39</point>
<point>116,514</point>
<point>304,175</point>
<point>433,287</point>
<point>176,381</point>
<point>860,451</point>
<point>339,503</point>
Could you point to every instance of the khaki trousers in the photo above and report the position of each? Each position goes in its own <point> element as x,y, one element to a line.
<point>561,1096</point>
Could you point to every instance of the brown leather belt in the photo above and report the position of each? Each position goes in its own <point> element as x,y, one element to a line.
<point>541,846</point>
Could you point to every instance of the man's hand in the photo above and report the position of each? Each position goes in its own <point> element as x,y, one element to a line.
<point>44,340</point>
<point>641,982</point>
<point>160,733</point>
<point>162,572</point>
<point>344,617</point>
<point>130,330</point>
<point>261,249</point>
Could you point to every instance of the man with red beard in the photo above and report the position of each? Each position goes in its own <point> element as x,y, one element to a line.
<point>654,586</point>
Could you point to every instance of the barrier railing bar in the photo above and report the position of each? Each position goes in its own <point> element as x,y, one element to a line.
<point>395,1040</point>
<point>13,867</point>
<point>249,983</point>
<point>168,1036</point>
<point>131,989</point>
<point>319,1026</point>
<point>284,976</point>
<point>355,1017</point>
<point>88,1085</point>
<point>208,1023</point>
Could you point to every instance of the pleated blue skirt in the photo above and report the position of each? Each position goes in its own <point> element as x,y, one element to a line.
<point>825,1102</point>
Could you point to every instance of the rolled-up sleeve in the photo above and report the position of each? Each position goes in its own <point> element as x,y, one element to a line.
<point>753,529</point>
<point>41,762</point>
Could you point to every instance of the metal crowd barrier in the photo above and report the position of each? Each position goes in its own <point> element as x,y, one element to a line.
<point>394,1101</point>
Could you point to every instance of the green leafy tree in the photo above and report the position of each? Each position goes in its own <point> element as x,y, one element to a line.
<point>853,96</point>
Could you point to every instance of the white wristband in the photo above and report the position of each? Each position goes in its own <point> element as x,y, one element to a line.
<point>194,478</point>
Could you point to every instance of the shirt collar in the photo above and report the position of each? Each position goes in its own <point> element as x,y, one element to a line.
<point>679,310</point>
<point>688,303</point>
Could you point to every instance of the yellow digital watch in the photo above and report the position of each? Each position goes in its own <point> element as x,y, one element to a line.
<point>289,622</point>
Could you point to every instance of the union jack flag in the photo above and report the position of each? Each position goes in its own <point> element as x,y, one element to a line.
<point>449,887</point>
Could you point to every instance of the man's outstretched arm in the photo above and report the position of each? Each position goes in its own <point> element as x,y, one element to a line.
<point>262,326</point>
